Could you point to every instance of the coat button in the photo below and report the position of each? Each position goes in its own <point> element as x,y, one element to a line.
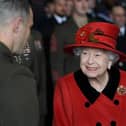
<point>87,104</point>
<point>116,102</point>
<point>113,123</point>
<point>98,124</point>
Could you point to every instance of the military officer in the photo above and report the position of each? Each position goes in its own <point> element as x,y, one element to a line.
<point>18,97</point>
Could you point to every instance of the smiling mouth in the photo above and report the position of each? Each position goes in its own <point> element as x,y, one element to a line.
<point>91,68</point>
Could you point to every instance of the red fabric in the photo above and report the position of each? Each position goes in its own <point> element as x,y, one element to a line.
<point>70,110</point>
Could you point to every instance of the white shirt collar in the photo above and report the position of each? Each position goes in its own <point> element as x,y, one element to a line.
<point>59,19</point>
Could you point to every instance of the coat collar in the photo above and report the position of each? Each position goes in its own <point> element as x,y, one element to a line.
<point>90,93</point>
<point>5,53</point>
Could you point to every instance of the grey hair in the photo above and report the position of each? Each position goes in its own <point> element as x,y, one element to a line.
<point>112,56</point>
<point>77,51</point>
<point>9,9</point>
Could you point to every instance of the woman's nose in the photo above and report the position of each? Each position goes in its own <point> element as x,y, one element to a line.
<point>90,59</point>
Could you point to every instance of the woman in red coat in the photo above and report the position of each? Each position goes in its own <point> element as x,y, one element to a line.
<point>95,95</point>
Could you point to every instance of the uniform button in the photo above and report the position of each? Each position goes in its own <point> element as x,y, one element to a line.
<point>113,123</point>
<point>98,124</point>
<point>87,104</point>
<point>116,102</point>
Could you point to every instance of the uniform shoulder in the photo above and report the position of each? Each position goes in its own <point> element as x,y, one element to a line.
<point>22,71</point>
<point>11,70</point>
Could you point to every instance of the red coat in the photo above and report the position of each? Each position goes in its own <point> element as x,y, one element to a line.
<point>76,103</point>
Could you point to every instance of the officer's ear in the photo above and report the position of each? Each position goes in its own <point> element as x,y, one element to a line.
<point>17,24</point>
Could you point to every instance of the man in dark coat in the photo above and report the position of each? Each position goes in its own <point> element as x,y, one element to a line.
<point>64,34</point>
<point>18,98</point>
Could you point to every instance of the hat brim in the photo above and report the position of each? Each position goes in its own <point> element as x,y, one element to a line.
<point>69,48</point>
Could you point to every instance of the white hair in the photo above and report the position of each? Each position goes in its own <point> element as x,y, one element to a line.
<point>111,55</point>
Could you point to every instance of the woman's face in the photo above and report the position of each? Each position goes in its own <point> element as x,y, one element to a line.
<point>94,62</point>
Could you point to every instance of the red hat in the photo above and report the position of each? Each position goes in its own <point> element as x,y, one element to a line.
<point>100,35</point>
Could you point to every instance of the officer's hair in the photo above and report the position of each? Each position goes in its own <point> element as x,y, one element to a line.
<point>10,9</point>
<point>112,56</point>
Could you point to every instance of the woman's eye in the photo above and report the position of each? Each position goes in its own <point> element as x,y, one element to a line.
<point>84,53</point>
<point>98,54</point>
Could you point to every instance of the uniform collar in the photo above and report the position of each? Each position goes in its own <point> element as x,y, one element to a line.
<point>5,52</point>
<point>90,93</point>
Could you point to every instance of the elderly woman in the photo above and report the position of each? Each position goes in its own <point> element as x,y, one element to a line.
<point>95,95</point>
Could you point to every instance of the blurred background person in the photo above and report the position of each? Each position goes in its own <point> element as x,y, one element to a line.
<point>103,9</point>
<point>64,34</point>
<point>58,17</point>
<point>69,7</point>
<point>118,15</point>
<point>49,8</point>
<point>92,8</point>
